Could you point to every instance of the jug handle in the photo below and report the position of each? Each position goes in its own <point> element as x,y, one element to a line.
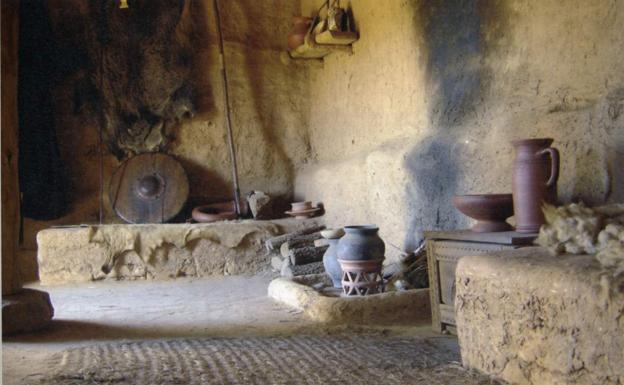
<point>554,165</point>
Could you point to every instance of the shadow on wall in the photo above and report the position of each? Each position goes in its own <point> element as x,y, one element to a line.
<point>457,80</point>
<point>265,110</point>
<point>202,23</point>
<point>207,186</point>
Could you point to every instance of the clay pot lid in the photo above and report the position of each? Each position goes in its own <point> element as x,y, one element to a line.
<point>533,141</point>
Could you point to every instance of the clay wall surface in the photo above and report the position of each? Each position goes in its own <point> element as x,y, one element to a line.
<point>269,114</point>
<point>423,108</point>
<point>427,103</point>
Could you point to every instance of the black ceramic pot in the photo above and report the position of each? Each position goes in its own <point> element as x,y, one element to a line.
<point>330,262</point>
<point>361,243</point>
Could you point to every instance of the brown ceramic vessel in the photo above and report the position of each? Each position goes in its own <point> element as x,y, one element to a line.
<point>214,212</point>
<point>301,206</point>
<point>490,211</point>
<point>535,175</point>
<point>301,24</point>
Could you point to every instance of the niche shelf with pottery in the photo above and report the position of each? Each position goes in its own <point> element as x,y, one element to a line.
<point>315,38</point>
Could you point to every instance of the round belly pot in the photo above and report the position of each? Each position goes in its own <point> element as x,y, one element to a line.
<point>360,254</point>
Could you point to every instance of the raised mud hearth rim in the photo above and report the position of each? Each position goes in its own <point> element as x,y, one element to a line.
<point>158,251</point>
<point>389,308</point>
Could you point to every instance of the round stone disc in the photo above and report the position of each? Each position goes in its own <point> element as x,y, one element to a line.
<point>148,188</point>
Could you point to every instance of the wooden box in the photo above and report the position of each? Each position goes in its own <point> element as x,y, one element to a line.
<point>444,248</point>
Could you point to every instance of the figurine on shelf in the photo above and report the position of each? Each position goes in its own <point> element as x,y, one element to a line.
<point>335,16</point>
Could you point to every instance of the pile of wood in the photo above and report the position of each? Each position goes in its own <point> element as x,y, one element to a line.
<point>298,253</point>
<point>409,273</point>
<point>301,253</point>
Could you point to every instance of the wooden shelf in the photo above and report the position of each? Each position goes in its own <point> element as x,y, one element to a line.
<point>332,41</point>
<point>306,51</point>
<point>335,38</point>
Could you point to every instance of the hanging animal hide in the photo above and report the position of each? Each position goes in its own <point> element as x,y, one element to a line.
<point>139,65</point>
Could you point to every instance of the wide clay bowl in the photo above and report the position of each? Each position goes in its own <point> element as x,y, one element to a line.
<point>301,206</point>
<point>490,211</point>
<point>219,211</point>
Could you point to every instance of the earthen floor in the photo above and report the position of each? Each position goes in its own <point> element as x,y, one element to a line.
<point>232,306</point>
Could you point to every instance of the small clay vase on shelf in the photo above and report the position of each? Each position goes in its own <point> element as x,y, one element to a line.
<point>301,24</point>
<point>330,258</point>
<point>303,210</point>
<point>535,175</point>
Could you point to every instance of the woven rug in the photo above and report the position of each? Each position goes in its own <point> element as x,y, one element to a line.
<point>314,360</point>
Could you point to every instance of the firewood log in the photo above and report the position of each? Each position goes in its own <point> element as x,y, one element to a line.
<point>298,242</point>
<point>275,242</point>
<point>310,268</point>
<point>305,255</point>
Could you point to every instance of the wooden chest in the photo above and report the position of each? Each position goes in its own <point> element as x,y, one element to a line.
<point>444,248</point>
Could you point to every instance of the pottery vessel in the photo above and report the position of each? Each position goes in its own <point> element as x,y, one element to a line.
<point>330,258</point>
<point>330,262</point>
<point>490,211</point>
<point>535,175</point>
<point>301,24</point>
<point>361,243</point>
<point>214,212</point>
<point>301,206</point>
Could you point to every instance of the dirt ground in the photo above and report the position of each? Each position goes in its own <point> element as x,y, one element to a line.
<point>142,310</point>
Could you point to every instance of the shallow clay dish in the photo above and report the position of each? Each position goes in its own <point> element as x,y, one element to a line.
<point>214,212</point>
<point>302,214</point>
<point>490,211</point>
<point>301,206</point>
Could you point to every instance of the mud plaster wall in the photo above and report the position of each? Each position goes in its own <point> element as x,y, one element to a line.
<point>269,116</point>
<point>434,91</point>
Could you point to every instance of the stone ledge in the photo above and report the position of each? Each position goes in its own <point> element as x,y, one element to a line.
<point>162,251</point>
<point>26,311</point>
<point>391,308</point>
<point>530,318</point>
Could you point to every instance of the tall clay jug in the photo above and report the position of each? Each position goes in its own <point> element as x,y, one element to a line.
<point>535,174</point>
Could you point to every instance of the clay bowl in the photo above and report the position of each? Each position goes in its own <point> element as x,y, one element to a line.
<point>304,214</point>
<point>301,206</point>
<point>490,211</point>
<point>214,212</point>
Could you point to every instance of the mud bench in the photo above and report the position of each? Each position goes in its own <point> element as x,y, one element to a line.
<point>444,249</point>
<point>530,318</point>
